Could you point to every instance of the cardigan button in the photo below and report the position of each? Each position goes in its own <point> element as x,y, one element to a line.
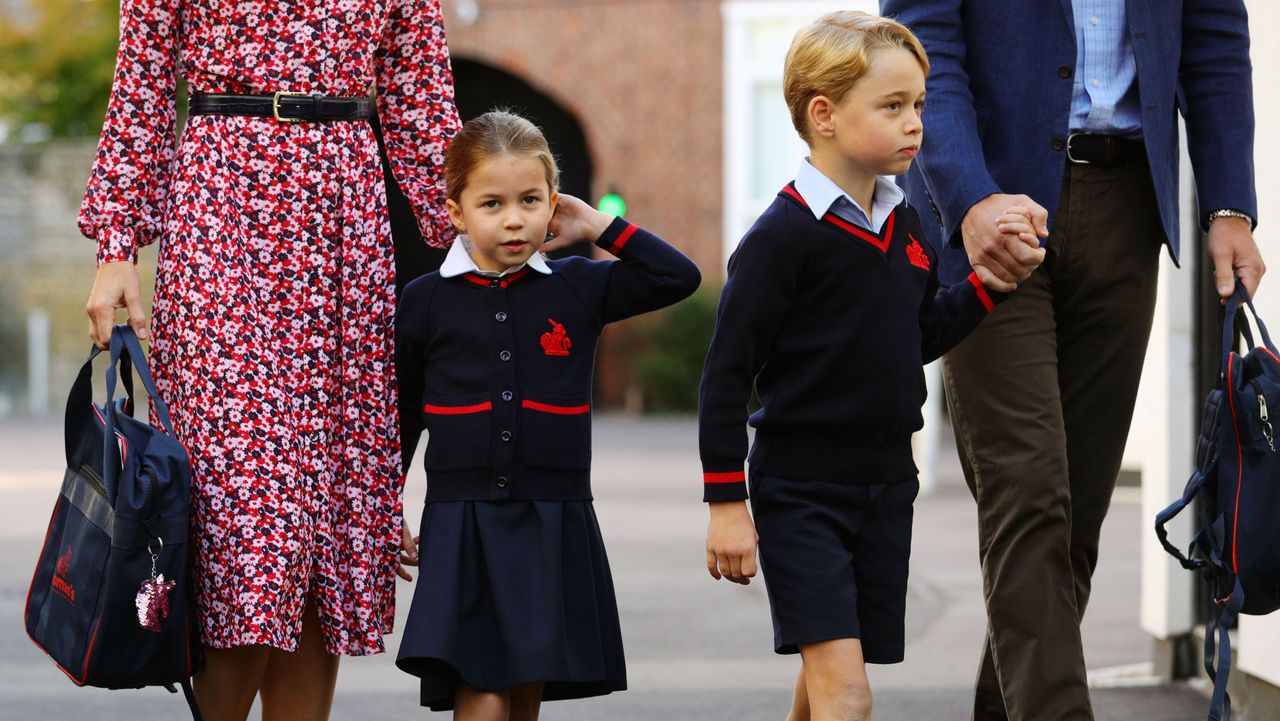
<point>504,356</point>
<point>500,317</point>
<point>505,436</point>
<point>507,396</point>
<point>502,481</point>
<point>1058,143</point>
<point>495,283</point>
<point>1064,71</point>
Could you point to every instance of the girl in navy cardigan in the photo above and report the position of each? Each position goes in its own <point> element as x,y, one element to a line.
<point>495,354</point>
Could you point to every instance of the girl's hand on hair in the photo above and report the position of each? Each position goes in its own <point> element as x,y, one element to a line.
<point>574,222</point>
<point>408,551</point>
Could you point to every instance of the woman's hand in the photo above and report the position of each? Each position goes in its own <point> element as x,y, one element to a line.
<point>574,222</point>
<point>408,551</point>
<point>115,286</point>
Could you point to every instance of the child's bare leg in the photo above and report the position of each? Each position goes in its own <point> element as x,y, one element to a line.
<point>226,686</point>
<point>299,686</point>
<point>835,676</point>
<point>526,702</point>
<point>800,700</point>
<point>472,704</point>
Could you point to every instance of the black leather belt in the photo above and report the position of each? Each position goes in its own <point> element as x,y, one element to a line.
<point>283,107</point>
<point>1090,149</point>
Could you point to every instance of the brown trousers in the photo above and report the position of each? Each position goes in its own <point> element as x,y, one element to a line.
<point>1041,396</point>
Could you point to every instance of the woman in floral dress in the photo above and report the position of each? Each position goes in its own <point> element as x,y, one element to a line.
<point>273,314</point>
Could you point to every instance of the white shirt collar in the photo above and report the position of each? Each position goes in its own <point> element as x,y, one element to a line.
<point>821,193</point>
<point>458,261</point>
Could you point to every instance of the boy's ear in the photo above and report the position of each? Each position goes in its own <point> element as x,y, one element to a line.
<point>819,115</point>
<point>555,198</point>
<point>455,215</point>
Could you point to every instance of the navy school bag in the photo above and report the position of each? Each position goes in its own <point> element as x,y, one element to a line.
<point>110,599</point>
<point>1236,487</point>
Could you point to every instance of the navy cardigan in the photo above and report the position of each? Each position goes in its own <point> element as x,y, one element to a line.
<point>831,324</point>
<point>499,370</point>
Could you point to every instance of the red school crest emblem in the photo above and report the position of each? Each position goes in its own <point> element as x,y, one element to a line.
<point>916,254</point>
<point>556,341</point>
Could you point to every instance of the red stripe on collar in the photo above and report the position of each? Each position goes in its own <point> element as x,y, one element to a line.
<point>503,282</point>
<point>880,241</point>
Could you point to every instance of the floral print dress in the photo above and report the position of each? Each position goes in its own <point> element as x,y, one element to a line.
<point>273,323</point>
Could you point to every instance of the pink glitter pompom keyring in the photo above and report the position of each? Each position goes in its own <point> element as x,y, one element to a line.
<point>152,600</point>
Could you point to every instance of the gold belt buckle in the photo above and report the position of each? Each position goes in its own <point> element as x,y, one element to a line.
<point>275,106</point>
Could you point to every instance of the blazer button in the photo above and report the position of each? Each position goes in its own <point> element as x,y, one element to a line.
<point>1064,71</point>
<point>500,317</point>
<point>1058,143</point>
<point>504,356</point>
<point>507,396</point>
<point>502,481</point>
<point>505,436</point>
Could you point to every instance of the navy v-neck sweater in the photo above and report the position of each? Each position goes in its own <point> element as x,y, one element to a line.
<point>498,370</point>
<point>831,324</point>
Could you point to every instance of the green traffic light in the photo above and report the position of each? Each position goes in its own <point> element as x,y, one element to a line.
<point>612,204</point>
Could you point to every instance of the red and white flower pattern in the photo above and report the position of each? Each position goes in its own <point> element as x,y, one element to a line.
<point>274,306</point>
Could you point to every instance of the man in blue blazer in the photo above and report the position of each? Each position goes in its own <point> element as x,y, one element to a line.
<point>1069,109</point>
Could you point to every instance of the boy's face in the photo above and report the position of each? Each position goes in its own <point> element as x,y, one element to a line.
<point>876,126</point>
<point>504,209</point>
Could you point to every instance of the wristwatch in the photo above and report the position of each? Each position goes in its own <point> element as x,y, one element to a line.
<point>1230,213</point>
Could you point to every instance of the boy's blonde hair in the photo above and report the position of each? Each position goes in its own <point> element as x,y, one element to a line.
<point>498,132</point>
<point>830,56</point>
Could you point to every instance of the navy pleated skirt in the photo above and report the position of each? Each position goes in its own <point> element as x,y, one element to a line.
<point>509,593</point>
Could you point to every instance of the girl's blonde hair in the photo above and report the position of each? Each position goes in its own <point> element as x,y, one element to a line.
<point>830,56</point>
<point>498,132</point>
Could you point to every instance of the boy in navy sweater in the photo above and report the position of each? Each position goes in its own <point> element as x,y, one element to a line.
<point>831,308</point>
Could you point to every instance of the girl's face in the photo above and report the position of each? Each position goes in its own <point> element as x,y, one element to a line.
<point>504,209</point>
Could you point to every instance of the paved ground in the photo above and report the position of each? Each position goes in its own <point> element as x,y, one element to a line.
<point>696,649</point>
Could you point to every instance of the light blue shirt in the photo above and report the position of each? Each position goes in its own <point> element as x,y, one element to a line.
<point>823,196</point>
<point>1104,95</point>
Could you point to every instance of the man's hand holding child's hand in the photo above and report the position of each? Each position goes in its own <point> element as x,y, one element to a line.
<point>1003,259</point>
<point>1019,234</point>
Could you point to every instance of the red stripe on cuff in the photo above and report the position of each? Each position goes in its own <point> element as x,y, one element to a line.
<point>559,410</point>
<point>730,477</point>
<point>623,238</point>
<point>457,410</point>
<point>981,292</point>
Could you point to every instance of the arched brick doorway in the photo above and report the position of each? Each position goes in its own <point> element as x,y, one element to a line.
<point>481,87</point>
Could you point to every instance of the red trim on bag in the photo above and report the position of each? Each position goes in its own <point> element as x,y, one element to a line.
<point>89,652</point>
<point>981,291</point>
<point>124,443</point>
<point>26,609</point>
<point>186,629</point>
<point>1235,518</point>
<point>1266,350</point>
<point>458,410</point>
<point>727,477</point>
<point>558,410</point>
<point>623,238</point>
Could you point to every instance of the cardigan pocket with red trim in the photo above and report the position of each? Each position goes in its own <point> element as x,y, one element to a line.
<point>459,432</point>
<point>555,432</point>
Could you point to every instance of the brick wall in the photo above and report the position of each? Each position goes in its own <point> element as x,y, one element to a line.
<point>644,79</point>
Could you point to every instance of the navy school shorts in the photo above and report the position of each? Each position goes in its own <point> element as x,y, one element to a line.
<point>835,559</point>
